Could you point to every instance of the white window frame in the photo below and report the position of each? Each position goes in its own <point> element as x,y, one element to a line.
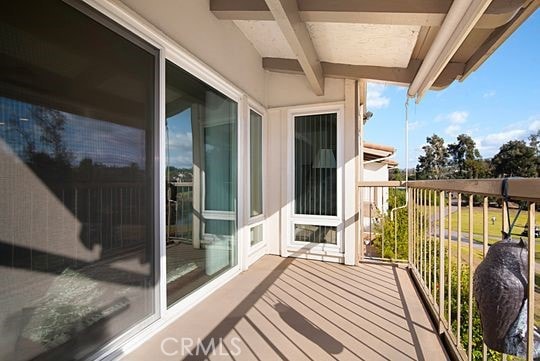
<point>253,253</point>
<point>260,217</point>
<point>331,221</point>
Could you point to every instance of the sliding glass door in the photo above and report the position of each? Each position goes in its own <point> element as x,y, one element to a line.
<point>201,143</point>
<point>77,126</point>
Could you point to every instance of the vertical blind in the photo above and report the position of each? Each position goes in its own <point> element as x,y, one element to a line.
<point>315,164</point>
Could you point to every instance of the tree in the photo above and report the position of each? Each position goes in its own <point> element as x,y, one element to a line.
<point>393,229</point>
<point>465,159</point>
<point>396,174</point>
<point>432,165</point>
<point>515,159</point>
<point>534,141</point>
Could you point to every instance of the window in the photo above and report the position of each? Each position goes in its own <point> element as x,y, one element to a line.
<point>256,234</point>
<point>256,163</point>
<point>77,113</point>
<point>315,234</point>
<point>201,128</point>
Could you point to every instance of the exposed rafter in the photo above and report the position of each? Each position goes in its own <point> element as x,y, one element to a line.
<point>285,13</point>
<point>416,12</point>
<point>379,73</point>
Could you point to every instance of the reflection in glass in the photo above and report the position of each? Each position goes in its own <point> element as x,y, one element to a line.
<point>315,234</point>
<point>256,234</point>
<point>315,164</point>
<point>255,148</point>
<point>201,183</point>
<point>76,128</point>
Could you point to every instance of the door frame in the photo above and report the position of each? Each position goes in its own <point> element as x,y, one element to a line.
<point>289,246</point>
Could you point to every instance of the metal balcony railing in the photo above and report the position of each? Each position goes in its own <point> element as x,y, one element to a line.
<point>444,229</point>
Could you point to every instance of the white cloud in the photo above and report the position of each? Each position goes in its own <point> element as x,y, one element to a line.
<point>375,96</point>
<point>415,125</point>
<point>535,125</point>
<point>458,117</point>
<point>503,137</point>
<point>489,94</point>
<point>489,144</point>
<point>455,119</point>
<point>181,150</point>
<point>453,130</point>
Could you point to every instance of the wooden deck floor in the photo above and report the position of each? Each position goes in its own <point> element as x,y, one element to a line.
<point>293,309</point>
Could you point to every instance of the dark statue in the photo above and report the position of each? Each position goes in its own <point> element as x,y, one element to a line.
<point>500,289</point>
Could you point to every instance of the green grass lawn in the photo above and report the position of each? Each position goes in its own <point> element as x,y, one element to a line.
<point>494,228</point>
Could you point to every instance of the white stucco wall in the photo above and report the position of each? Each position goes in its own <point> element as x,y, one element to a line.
<point>222,46</point>
<point>217,43</point>
<point>284,90</point>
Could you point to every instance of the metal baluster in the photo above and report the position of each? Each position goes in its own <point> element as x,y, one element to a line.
<point>470,326</point>
<point>421,244</point>
<point>531,280</point>
<point>485,237</point>
<point>449,261</point>
<point>441,261</point>
<point>458,257</point>
<point>382,221</point>
<point>395,223</point>
<point>430,218</point>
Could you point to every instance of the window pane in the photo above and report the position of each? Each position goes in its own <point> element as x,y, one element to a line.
<point>256,234</point>
<point>76,132</point>
<point>315,164</point>
<point>201,183</point>
<point>315,234</point>
<point>255,145</point>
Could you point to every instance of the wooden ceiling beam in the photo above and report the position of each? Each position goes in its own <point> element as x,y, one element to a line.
<point>285,13</point>
<point>416,12</point>
<point>377,73</point>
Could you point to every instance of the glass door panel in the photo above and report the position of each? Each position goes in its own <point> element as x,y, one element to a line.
<point>315,178</point>
<point>315,165</point>
<point>77,121</point>
<point>201,128</point>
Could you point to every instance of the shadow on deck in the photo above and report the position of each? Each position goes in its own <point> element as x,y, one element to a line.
<point>283,308</point>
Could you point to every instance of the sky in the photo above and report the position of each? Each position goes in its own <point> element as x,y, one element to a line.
<point>102,141</point>
<point>180,140</point>
<point>498,102</point>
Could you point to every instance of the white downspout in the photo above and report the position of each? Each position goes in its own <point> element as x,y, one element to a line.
<point>393,211</point>
<point>458,23</point>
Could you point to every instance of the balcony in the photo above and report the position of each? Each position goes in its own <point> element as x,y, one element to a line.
<point>285,308</point>
<point>413,300</point>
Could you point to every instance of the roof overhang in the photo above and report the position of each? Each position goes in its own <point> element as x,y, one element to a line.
<point>377,152</point>
<point>422,44</point>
